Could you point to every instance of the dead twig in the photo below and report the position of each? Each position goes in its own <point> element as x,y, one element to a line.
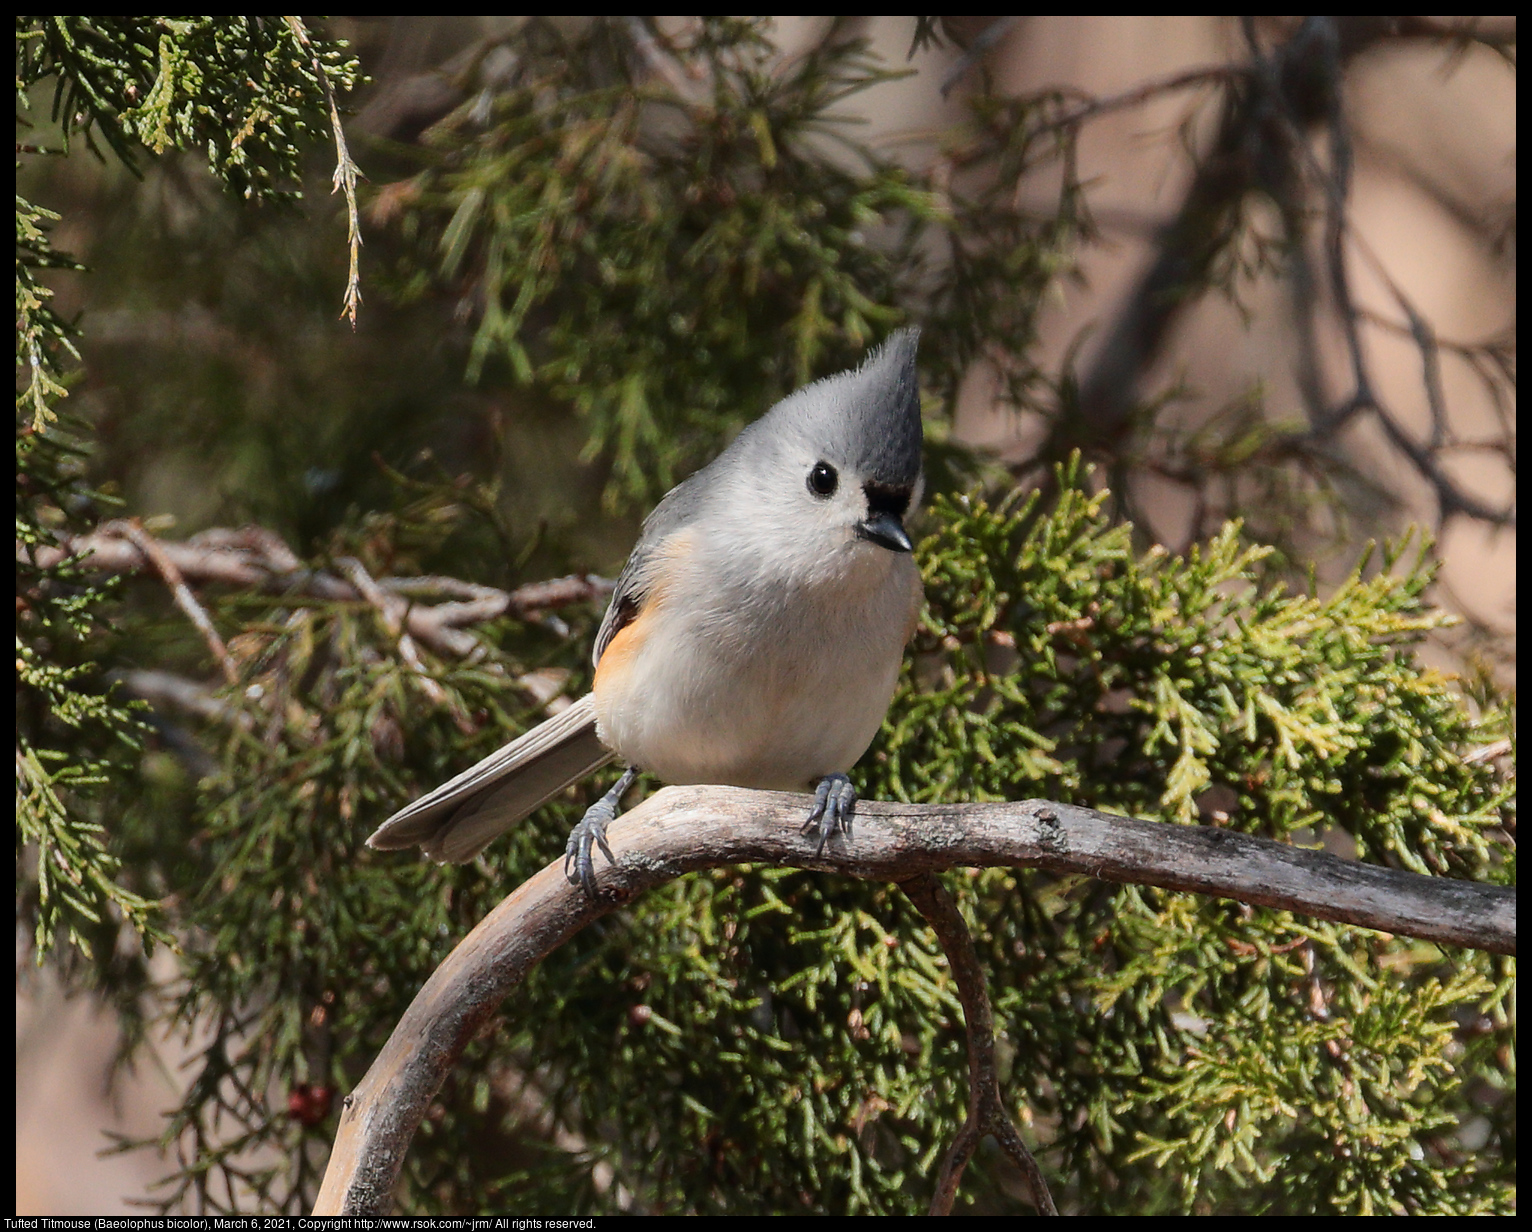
<point>133,531</point>
<point>394,610</point>
<point>346,174</point>
<point>254,558</point>
<point>1089,108</point>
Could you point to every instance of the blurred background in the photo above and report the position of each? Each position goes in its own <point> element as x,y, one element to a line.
<point>1083,213</point>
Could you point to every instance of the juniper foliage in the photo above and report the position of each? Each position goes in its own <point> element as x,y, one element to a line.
<point>238,88</point>
<point>69,736</point>
<point>72,734</point>
<point>646,256</point>
<point>766,1040</point>
<point>245,90</point>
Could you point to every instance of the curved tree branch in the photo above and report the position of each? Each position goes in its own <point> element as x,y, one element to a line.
<point>681,829</point>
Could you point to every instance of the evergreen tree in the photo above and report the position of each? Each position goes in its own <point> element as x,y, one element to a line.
<point>633,244</point>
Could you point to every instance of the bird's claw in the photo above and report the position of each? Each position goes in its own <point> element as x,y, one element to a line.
<point>579,862</point>
<point>590,833</point>
<point>834,800</point>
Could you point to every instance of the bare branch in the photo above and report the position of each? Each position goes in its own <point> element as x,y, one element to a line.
<point>986,1111</point>
<point>1089,108</point>
<point>1272,104</point>
<point>394,610</point>
<point>134,532</point>
<point>682,829</point>
<point>255,558</point>
<point>977,50</point>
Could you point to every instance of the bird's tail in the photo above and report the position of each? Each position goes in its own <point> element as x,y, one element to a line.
<point>460,818</point>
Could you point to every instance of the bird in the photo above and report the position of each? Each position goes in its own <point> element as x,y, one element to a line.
<point>754,637</point>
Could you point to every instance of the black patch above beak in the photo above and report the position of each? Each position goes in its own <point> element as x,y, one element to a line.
<point>886,530</point>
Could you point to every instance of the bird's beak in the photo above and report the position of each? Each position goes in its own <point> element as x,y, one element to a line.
<point>885,530</point>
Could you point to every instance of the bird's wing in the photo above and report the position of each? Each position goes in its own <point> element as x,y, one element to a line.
<point>672,515</point>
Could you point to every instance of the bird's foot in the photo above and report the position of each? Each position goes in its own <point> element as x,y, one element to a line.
<point>590,833</point>
<point>834,800</point>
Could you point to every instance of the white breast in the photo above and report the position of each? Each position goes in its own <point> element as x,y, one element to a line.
<point>763,670</point>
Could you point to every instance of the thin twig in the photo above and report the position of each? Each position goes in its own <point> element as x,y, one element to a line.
<point>986,1110</point>
<point>977,50</point>
<point>132,530</point>
<point>394,610</point>
<point>1091,108</point>
<point>345,177</point>
<point>1488,752</point>
<point>1467,351</point>
<point>1451,498</point>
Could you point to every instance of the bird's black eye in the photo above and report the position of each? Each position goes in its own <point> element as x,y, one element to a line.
<point>823,479</point>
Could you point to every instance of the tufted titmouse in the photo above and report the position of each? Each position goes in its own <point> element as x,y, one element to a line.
<point>755,634</point>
